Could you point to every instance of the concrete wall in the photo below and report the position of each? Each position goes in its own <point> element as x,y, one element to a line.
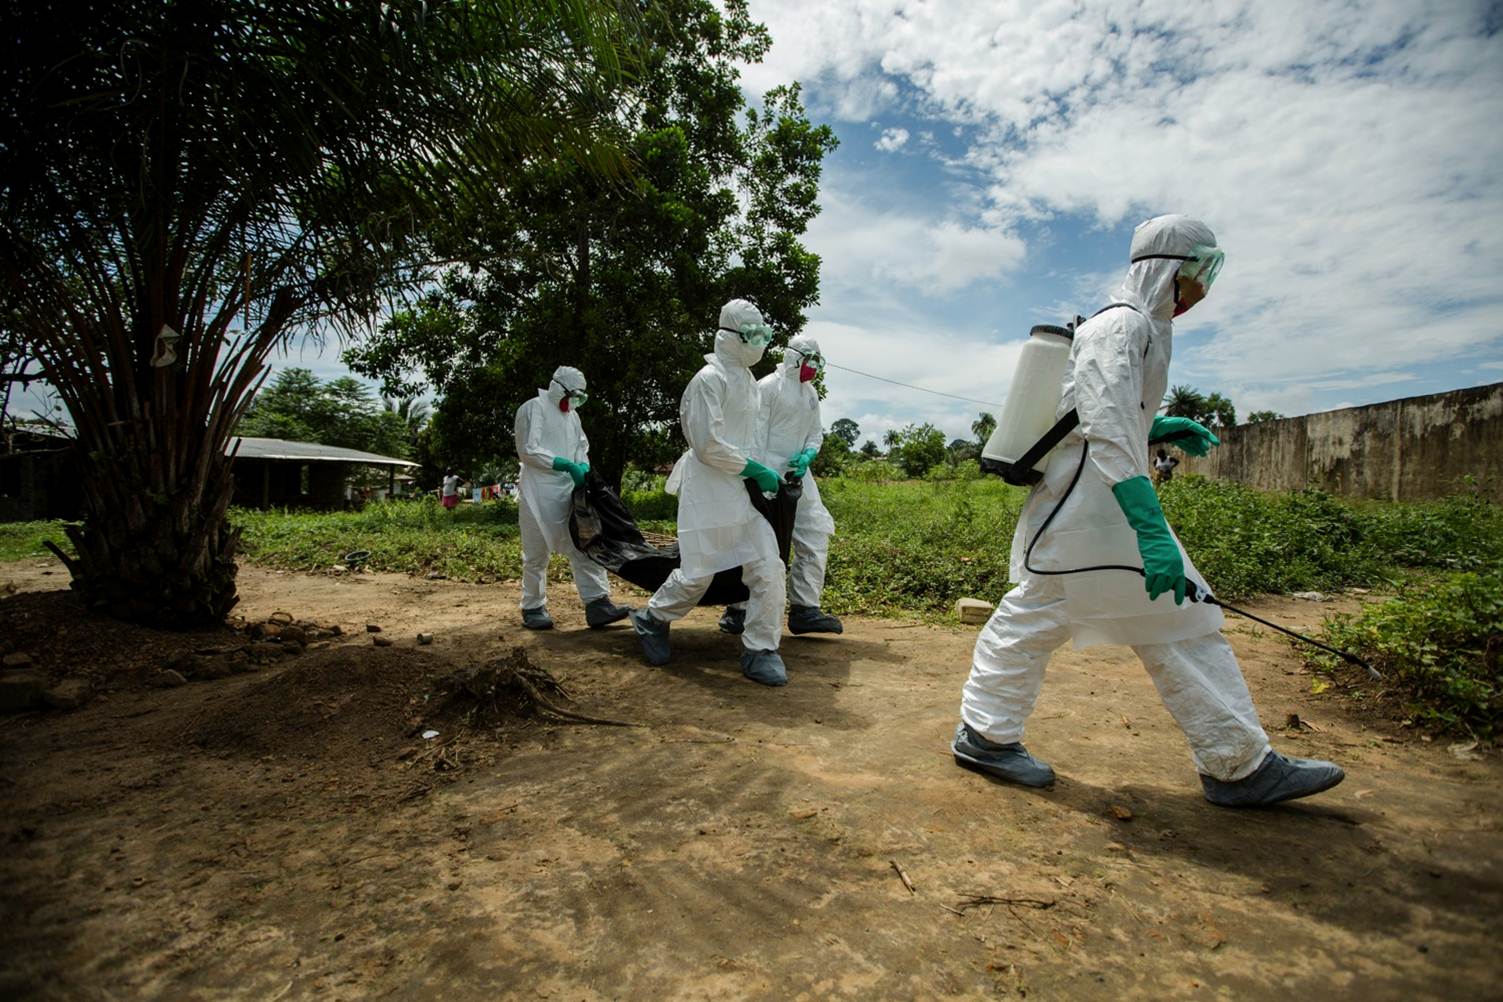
<point>1403,450</point>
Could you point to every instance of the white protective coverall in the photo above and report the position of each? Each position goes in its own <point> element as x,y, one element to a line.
<point>717,526</point>
<point>542,432</point>
<point>790,424</point>
<point>1118,372</point>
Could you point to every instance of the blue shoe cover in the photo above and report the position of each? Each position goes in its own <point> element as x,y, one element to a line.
<point>537,619</point>
<point>1010,762</point>
<point>653,633</point>
<point>810,619</point>
<point>733,622</point>
<point>603,612</point>
<point>1277,779</point>
<point>764,667</point>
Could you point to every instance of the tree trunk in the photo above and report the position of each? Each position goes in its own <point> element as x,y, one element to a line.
<point>155,545</point>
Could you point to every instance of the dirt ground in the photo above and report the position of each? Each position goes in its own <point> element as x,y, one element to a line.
<point>283,833</point>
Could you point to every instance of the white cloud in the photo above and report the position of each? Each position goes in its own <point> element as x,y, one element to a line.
<point>882,338</point>
<point>864,245</point>
<point>891,140</point>
<point>1346,155</point>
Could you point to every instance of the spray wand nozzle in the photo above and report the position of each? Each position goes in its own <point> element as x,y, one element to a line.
<point>1196,593</point>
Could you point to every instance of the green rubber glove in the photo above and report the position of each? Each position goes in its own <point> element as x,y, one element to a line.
<point>800,464</point>
<point>1163,567</point>
<point>1186,433</point>
<point>575,470</point>
<point>765,478</point>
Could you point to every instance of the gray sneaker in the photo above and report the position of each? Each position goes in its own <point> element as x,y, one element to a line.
<point>602,612</point>
<point>1276,780</point>
<point>733,622</point>
<point>537,619</point>
<point>809,619</point>
<point>764,667</point>
<point>653,633</point>
<point>1010,761</point>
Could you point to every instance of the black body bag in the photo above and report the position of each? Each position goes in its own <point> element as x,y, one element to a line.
<point>604,531</point>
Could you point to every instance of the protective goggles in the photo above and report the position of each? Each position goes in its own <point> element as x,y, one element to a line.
<point>815,360</point>
<point>1203,264</point>
<point>756,335</point>
<point>576,398</point>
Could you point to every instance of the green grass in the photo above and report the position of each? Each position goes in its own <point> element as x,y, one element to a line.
<point>470,543</point>
<point>21,540</point>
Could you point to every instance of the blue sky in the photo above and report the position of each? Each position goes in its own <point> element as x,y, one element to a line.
<point>995,155</point>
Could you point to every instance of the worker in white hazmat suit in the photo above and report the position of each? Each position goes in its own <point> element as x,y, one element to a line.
<point>791,438</point>
<point>717,526</point>
<point>555,457</point>
<point>1096,506</point>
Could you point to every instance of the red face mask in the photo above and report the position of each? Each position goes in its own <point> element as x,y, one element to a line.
<point>563,405</point>
<point>807,372</point>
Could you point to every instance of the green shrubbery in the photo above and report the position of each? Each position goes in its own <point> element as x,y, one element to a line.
<point>914,546</point>
<point>1246,541</point>
<point>1439,644</point>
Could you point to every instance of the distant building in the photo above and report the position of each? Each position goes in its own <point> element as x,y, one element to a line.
<point>272,473</point>
<point>39,478</point>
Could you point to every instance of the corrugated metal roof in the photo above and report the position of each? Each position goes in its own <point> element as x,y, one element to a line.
<point>307,452</point>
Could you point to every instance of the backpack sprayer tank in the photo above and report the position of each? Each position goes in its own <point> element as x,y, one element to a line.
<point>1027,431</point>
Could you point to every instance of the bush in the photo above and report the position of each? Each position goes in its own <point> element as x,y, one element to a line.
<point>1438,644</point>
<point>916,546</point>
<point>1246,542</point>
<point>636,479</point>
<point>1461,532</point>
<point>966,469</point>
<point>872,471</point>
<point>651,505</point>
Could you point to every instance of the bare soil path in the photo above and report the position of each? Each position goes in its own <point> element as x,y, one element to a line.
<point>280,834</point>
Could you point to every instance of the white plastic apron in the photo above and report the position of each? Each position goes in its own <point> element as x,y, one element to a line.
<point>716,520</point>
<point>1107,607</point>
<point>549,493</point>
<point>791,424</point>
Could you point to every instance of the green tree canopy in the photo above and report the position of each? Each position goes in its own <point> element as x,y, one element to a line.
<point>961,449</point>
<point>623,281</point>
<point>917,448</point>
<point>1185,401</point>
<point>847,430</point>
<point>298,407</point>
<point>185,184</point>
<point>1211,410</point>
<point>1257,417</point>
<point>833,456</point>
<point>983,427</point>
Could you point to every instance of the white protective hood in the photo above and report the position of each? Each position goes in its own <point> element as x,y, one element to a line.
<point>541,432</point>
<point>1116,379</point>
<point>719,416</point>
<point>790,423</point>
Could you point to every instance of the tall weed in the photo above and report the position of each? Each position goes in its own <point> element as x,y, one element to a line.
<point>1438,643</point>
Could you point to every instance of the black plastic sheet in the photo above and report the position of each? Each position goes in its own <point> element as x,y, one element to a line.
<point>604,530</point>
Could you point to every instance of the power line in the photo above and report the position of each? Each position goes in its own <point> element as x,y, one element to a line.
<point>910,386</point>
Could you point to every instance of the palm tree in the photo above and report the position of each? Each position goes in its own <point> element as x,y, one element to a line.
<point>185,185</point>
<point>1185,401</point>
<point>983,427</point>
